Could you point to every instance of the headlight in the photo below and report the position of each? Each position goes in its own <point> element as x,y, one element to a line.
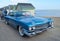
<point>51,24</point>
<point>32,28</point>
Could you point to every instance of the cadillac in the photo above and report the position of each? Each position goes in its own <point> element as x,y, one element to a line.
<point>27,24</point>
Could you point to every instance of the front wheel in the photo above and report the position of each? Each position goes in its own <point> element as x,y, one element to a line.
<point>21,31</point>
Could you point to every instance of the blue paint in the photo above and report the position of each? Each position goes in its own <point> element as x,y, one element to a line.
<point>26,21</point>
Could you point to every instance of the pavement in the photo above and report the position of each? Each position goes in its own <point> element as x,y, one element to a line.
<point>8,33</point>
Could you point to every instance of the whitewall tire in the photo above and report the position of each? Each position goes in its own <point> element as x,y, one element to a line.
<point>21,31</point>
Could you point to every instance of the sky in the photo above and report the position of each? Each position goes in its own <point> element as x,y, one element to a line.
<point>38,4</point>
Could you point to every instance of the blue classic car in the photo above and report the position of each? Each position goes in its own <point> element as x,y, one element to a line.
<point>28,25</point>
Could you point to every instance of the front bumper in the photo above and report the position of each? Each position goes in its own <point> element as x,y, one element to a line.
<point>35,32</point>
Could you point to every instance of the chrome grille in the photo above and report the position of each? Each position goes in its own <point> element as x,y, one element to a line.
<point>42,26</point>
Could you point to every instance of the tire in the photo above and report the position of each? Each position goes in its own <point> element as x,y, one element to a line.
<point>21,32</point>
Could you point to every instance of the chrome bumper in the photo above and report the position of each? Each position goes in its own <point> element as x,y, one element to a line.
<point>35,32</point>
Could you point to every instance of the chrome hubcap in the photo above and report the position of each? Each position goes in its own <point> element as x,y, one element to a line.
<point>21,31</point>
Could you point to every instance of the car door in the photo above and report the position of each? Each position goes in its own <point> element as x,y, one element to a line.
<point>12,21</point>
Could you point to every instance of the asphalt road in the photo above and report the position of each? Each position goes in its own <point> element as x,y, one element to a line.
<point>8,33</point>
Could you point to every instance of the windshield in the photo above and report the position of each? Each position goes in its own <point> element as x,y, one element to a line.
<point>19,14</point>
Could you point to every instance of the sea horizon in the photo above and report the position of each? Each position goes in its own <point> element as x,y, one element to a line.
<point>50,13</point>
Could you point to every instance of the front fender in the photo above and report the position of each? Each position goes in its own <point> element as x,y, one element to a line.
<point>25,26</point>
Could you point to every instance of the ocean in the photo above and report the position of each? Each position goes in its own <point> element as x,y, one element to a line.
<point>49,13</point>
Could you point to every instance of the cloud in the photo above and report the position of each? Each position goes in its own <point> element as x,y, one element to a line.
<point>18,1</point>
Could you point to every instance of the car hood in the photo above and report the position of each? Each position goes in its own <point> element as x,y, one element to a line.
<point>32,21</point>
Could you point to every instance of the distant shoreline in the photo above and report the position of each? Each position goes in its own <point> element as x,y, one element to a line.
<point>48,13</point>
